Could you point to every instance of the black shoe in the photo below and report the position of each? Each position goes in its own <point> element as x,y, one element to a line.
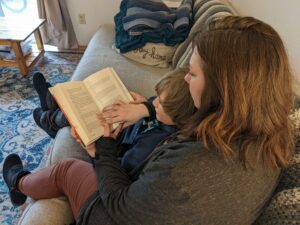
<point>37,114</point>
<point>43,121</point>
<point>12,172</point>
<point>41,87</point>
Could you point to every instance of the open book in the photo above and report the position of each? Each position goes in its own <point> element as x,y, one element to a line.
<point>82,100</point>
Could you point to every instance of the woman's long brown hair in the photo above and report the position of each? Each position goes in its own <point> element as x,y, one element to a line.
<point>248,94</point>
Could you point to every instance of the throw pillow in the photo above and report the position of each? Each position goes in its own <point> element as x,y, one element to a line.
<point>152,54</point>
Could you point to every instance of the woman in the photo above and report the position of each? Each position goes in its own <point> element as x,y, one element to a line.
<point>223,166</point>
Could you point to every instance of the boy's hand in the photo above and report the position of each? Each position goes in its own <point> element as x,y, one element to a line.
<point>137,98</point>
<point>91,148</point>
<point>121,112</point>
<point>108,132</point>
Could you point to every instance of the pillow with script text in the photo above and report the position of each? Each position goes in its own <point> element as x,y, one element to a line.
<point>152,54</point>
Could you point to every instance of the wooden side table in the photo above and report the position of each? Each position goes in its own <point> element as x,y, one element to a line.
<point>12,33</point>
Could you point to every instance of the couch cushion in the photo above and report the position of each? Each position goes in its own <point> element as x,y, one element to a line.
<point>203,11</point>
<point>65,146</point>
<point>284,207</point>
<point>99,54</point>
<point>48,212</point>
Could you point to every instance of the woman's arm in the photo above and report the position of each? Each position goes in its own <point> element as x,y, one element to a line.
<point>145,200</point>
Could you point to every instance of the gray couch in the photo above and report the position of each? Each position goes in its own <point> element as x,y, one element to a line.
<point>137,77</point>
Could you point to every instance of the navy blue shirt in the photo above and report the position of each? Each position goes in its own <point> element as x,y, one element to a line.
<point>140,139</point>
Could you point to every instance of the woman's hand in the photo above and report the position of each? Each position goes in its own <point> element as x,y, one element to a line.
<point>137,98</point>
<point>91,148</point>
<point>121,112</point>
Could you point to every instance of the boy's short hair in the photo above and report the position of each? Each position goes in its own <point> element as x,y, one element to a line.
<point>178,103</point>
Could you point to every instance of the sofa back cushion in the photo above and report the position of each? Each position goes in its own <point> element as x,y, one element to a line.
<point>203,11</point>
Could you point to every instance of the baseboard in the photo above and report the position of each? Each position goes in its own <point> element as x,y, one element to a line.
<point>51,48</point>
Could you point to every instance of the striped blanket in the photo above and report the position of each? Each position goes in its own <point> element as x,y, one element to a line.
<point>153,16</point>
<point>138,23</point>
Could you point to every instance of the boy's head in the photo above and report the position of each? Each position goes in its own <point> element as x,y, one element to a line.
<point>174,104</point>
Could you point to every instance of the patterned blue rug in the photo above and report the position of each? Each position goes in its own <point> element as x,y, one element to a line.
<point>18,132</point>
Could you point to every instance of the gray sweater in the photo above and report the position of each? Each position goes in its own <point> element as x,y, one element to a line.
<point>179,183</point>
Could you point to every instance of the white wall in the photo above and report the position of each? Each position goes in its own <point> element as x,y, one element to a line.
<point>96,12</point>
<point>284,17</point>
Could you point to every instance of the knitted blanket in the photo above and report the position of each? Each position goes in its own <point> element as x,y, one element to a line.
<point>284,207</point>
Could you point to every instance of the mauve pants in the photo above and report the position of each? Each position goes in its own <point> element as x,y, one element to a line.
<point>73,178</point>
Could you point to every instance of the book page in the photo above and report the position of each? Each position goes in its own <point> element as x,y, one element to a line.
<point>80,109</point>
<point>106,87</point>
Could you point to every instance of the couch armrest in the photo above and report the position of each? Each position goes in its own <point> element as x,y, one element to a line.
<point>48,212</point>
<point>65,146</point>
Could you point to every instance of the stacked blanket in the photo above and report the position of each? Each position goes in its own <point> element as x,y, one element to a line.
<point>142,21</point>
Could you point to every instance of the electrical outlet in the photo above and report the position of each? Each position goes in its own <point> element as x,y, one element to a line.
<point>81,18</point>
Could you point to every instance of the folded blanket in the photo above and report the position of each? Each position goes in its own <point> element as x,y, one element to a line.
<point>169,34</point>
<point>152,16</point>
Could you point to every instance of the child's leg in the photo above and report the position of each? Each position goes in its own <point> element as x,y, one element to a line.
<point>41,87</point>
<point>74,178</point>
<point>50,121</point>
<point>53,120</point>
<point>60,119</point>
<point>50,101</point>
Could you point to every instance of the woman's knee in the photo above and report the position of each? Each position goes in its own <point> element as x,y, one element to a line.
<point>69,163</point>
<point>74,167</point>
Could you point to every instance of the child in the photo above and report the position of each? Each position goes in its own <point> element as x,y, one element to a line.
<point>173,106</point>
